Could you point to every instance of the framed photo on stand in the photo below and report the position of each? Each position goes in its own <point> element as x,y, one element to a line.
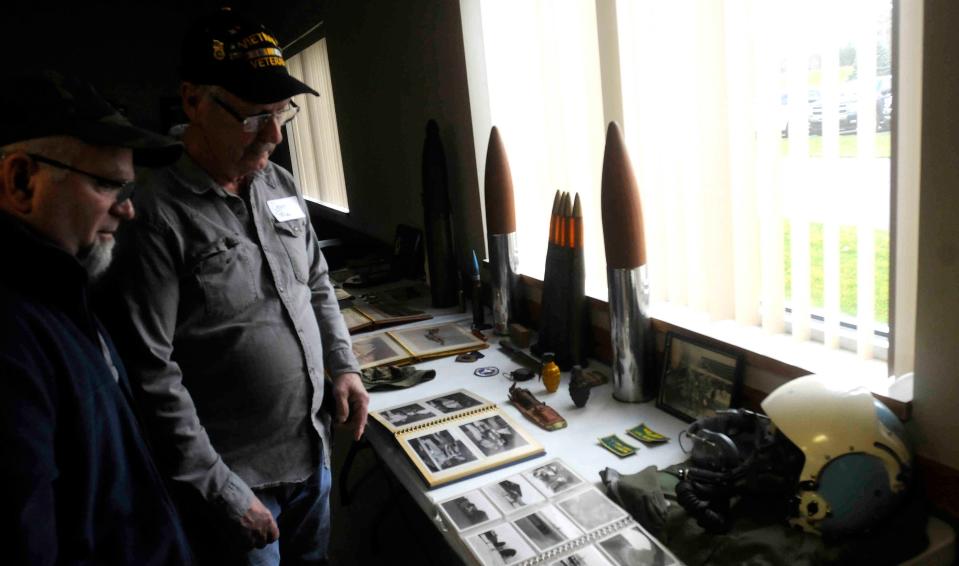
<point>698,379</point>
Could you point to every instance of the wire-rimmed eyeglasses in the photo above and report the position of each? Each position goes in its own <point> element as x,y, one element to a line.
<point>255,123</point>
<point>122,190</point>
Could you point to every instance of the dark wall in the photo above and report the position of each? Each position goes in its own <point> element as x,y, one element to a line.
<point>130,50</point>
<point>936,395</point>
<point>394,66</point>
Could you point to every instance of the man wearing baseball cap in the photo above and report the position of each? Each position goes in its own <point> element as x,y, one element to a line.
<point>77,481</point>
<point>231,317</point>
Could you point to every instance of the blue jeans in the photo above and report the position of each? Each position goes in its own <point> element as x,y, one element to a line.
<point>302,512</point>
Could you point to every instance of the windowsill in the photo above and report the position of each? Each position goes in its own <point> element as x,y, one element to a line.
<point>327,207</point>
<point>811,357</point>
<point>771,359</point>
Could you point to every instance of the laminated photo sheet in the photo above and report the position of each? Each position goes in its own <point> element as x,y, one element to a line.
<point>548,515</point>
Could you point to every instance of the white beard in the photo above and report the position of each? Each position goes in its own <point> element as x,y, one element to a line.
<point>96,258</point>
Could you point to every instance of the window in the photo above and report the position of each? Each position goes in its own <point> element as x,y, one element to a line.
<point>760,132</point>
<point>314,139</point>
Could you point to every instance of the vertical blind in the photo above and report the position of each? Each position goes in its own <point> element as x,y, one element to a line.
<point>314,138</point>
<point>907,148</point>
<point>752,129</point>
<point>545,99</point>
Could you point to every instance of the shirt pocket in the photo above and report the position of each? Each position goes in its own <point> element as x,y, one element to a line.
<point>292,234</point>
<point>226,275</point>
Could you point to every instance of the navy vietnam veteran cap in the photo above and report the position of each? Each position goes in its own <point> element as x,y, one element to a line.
<point>46,103</point>
<point>228,50</point>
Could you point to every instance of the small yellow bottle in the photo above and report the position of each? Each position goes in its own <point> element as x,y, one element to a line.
<point>550,372</point>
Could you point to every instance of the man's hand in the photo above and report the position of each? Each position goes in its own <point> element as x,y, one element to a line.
<point>258,524</point>
<point>351,401</point>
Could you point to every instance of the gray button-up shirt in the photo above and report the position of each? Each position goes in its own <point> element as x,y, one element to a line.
<point>235,319</point>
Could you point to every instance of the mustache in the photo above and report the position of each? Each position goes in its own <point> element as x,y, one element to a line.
<point>260,147</point>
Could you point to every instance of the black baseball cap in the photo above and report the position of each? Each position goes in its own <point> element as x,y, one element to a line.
<point>39,104</point>
<point>226,49</point>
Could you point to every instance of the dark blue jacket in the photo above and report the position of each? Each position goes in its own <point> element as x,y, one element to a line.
<point>77,483</point>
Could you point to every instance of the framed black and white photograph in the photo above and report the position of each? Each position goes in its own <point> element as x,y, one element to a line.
<point>501,545</point>
<point>553,478</point>
<point>698,379</point>
<point>591,509</point>
<point>440,451</point>
<point>492,435</point>
<point>470,510</point>
<point>547,528</point>
<point>512,494</point>
<point>456,401</point>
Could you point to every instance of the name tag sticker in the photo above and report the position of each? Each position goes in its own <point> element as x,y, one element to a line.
<point>284,209</point>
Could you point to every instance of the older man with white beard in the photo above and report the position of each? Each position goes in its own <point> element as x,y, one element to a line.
<point>77,481</point>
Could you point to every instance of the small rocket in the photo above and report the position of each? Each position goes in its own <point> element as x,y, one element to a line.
<point>578,322</point>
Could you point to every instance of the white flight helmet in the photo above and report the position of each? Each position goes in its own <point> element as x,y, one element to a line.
<point>858,460</point>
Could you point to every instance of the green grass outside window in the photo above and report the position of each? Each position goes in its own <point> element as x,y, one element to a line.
<point>847,269</point>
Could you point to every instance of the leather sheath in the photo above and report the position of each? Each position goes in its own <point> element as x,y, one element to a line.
<point>535,410</point>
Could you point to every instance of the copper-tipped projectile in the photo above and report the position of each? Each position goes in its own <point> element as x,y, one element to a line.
<point>627,275</point>
<point>500,208</point>
<point>576,230</point>
<point>554,220</point>
<point>622,213</point>
<point>577,319</point>
<point>561,231</point>
<point>559,219</point>
<point>501,234</point>
<point>550,300</point>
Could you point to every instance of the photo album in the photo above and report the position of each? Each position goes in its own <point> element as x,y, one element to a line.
<point>549,515</point>
<point>343,297</point>
<point>457,435</point>
<point>414,344</point>
<point>367,316</point>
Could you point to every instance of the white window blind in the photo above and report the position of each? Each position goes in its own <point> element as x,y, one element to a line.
<point>314,138</point>
<point>908,145</point>
<point>759,131</point>
<point>545,98</point>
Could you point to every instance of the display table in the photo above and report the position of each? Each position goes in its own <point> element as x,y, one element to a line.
<point>577,444</point>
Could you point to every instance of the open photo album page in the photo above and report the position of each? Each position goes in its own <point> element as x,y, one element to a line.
<point>444,406</point>
<point>467,445</point>
<point>427,341</point>
<point>409,344</point>
<point>378,349</point>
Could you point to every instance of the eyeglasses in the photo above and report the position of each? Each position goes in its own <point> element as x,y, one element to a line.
<point>255,123</point>
<point>122,189</point>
